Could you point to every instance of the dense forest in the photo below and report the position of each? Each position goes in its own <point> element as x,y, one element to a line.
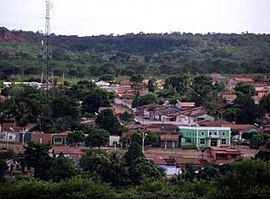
<point>21,53</point>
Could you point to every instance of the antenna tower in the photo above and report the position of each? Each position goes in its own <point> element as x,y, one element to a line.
<point>47,50</point>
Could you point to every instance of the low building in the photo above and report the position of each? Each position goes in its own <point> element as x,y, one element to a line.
<point>221,155</point>
<point>202,137</point>
<point>60,138</point>
<point>114,140</point>
<point>165,162</point>
<point>169,141</point>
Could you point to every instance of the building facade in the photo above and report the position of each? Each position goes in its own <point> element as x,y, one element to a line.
<point>202,137</point>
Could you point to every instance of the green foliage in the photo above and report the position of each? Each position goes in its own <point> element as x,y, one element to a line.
<point>257,140</point>
<point>136,82</point>
<point>127,117</point>
<point>37,156</point>
<point>247,179</point>
<point>7,153</point>
<point>149,98</point>
<point>97,138</point>
<point>182,83</point>
<point>151,139</point>
<point>202,86</point>
<point>76,187</point>
<point>141,167</point>
<point>134,151</point>
<point>108,167</point>
<point>76,137</point>
<point>106,120</point>
<point>265,103</point>
<point>95,99</point>
<point>152,85</point>
<point>61,168</point>
<point>243,111</point>
<point>245,89</point>
<point>263,155</point>
<point>147,54</point>
<point>3,169</point>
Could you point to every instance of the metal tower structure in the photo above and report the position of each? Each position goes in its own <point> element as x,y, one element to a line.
<point>47,49</point>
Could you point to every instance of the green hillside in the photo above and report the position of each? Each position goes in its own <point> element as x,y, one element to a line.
<point>149,54</point>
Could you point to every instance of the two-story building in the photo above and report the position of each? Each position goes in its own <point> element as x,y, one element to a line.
<point>202,137</point>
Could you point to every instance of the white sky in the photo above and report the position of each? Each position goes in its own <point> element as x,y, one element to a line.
<point>95,17</point>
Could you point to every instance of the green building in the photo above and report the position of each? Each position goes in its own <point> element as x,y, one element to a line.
<point>202,137</point>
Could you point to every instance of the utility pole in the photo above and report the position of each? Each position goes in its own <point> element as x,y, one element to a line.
<point>47,49</point>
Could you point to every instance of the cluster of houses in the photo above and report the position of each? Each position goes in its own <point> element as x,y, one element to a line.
<point>180,126</point>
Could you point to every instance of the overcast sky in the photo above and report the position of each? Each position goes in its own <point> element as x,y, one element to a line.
<point>95,17</point>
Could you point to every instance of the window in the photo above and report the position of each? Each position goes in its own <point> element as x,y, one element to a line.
<point>223,133</point>
<point>210,133</point>
<point>215,133</point>
<point>202,141</point>
<point>58,140</point>
<point>202,133</point>
<point>223,141</point>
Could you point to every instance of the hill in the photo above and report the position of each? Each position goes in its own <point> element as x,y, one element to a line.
<point>149,54</point>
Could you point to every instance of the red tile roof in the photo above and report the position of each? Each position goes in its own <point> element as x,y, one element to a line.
<point>169,137</point>
<point>42,138</point>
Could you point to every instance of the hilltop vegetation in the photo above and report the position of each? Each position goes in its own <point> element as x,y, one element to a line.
<point>148,54</point>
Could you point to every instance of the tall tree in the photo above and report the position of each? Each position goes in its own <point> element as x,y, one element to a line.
<point>141,167</point>
<point>37,156</point>
<point>265,103</point>
<point>97,138</point>
<point>106,120</point>
<point>152,85</point>
<point>95,99</point>
<point>76,137</point>
<point>202,85</point>
<point>245,89</point>
<point>62,168</point>
<point>3,169</point>
<point>136,82</point>
<point>134,151</point>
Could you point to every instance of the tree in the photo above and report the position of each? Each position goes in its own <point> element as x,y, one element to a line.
<point>64,106</point>
<point>97,138</point>
<point>247,111</point>
<point>136,100</point>
<point>149,98</point>
<point>136,82</point>
<point>95,99</point>
<point>62,168</point>
<point>181,82</point>
<point>109,167</point>
<point>150,139</point>
<point>265,103</point>
<point>245,89</point>
<point>263,155</point>
<point>3,169</point>
<point>152,85</point>
<point>246,179</point>
<point>209,172</point>
<point>202,85</point>
<point>127,117</point>
<point>36,155</point>
<point>141,167</point>
<point>76,137</point>
<point>106,120</point>
<point>134,151</point>
<point>75,187</point>
<point>212,102</point>
<point>257,140</point>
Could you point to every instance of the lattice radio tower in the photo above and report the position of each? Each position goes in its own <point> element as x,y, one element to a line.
<point>47,50</point>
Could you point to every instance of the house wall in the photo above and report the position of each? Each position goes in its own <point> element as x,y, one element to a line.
<point>170,169</point>
<point>201,137</point>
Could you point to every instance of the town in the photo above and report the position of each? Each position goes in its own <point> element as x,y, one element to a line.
<point>134,99</point>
